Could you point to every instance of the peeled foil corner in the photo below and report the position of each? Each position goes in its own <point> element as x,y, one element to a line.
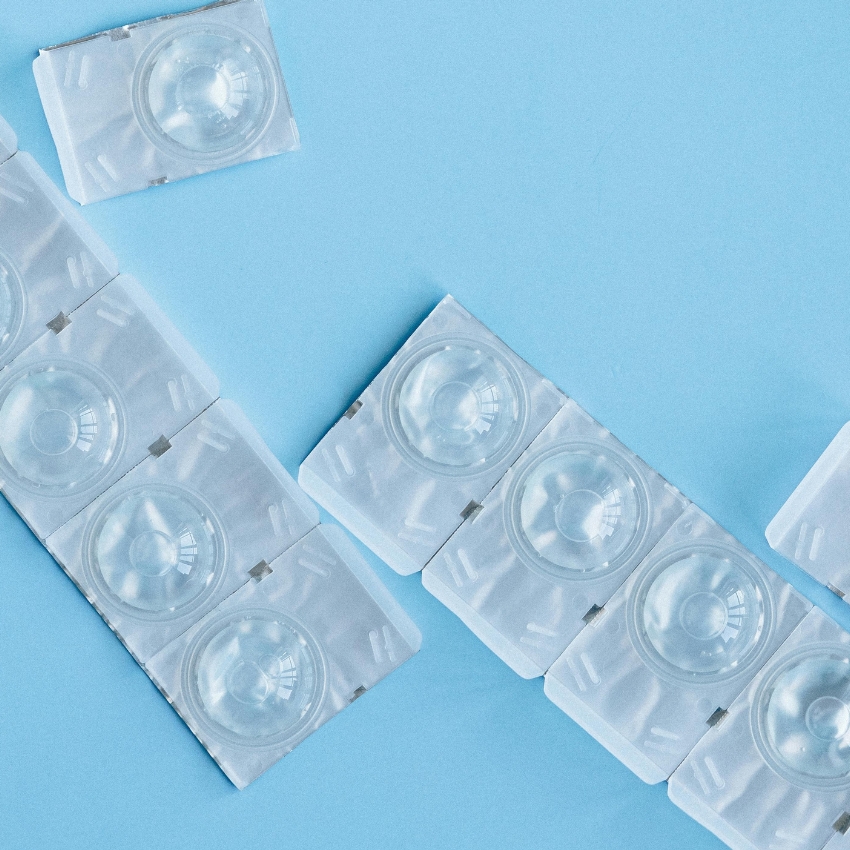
<point>165,99</point>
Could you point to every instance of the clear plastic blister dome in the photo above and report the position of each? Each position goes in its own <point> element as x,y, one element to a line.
<point>284,654</point>
<point>431,435</point>
<point>51,260</point>
<point>8,140</point>
<point>183,530</point>
<point>674,646</point>
<point>558,535</point>
<point>79,408</point>
<point>165,99</point>
<point>811,528</point>
<point>782,751</point>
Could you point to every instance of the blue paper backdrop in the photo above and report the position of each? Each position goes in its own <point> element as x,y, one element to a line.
<point>648,201</point>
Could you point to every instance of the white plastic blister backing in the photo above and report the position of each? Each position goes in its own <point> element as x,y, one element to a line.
<point>812,529</point>
<point>90,399</point>
<point>429,438</point>
<point>182,531</point>
<point>8,140</point>
<point>165,99</point>
<point>51,260</point>
<point>775,774</point>
<point>667,655</point>
<point>284,654</point>
<point>552,542</point>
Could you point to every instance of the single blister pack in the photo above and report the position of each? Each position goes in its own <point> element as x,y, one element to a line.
<point>429,438</point>
<point>51,260</point>
<point>552,542</point>
<point>183,530</point>
<point>775,774</point>
<point>666,656</point>
<point>92,398</point>
<point>8,140</point>
<point>812,528</point>
<point>165,99</point>
<point>284,654</point>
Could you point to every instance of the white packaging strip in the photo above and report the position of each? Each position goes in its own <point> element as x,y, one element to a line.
<point>554,539</point>
<point>775,773</point>
<point>429,438</point>
<point>87,401</point>
<point>283,655</point>
<point>51,260</point>
<point>8,140</point>
<point>812,528</point>
<point>182,531</point>
<point>165,99</point>
<point>671,650</point>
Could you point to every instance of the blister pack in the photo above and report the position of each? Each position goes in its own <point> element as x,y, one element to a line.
<point>51,260</point>
<point>552,542</point>
<point>775,774</point>
<point>165,99</point>
<point>92,398</point>
<point>183,530</point>
<point>284,654</point>
<point>8,140</point>
<point>663,660</point>
<point>429,438</point>
<point>812,528</point>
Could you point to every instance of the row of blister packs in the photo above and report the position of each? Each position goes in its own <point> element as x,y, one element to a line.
<point>164,505</point>
<point>660,634</point>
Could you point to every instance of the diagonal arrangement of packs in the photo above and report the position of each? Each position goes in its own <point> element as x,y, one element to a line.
<point>660,634</point>
<point>164,505</point>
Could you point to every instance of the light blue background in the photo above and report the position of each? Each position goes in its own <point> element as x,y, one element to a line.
<point>648,201</point>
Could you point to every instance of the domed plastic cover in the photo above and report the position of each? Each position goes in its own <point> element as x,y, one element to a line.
<point>12,305</point>
<point>61,427</point>
<point>801,717</point>
<point>456,406</point>
<point>578,510</point>
<point>155,551</point>
<point>205,91</point>
<point>255,676</point>
<point>701,613</point>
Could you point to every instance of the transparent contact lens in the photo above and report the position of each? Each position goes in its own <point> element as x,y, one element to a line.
<point>11,305</point>
<point>61,427</point>
<point>802,717</point>
<point>701,613</point>
<point>206,91</point>
<point>456,406</point>
<point>257,676</point>
<point>579,510</point>
<point>156,550</point>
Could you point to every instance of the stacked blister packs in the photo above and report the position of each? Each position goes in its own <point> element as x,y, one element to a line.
<point>571,558</point>
<point>164,505</point>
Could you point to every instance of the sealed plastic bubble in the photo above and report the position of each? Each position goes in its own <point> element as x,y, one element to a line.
<point>811,528</point>
<point>165,99</point>
<point>86,402</point>
<point>562,530</point>
<point>284,654</point>
<point>667,654</point>
<point>779,764</point>
<point>8,140</point>
<point>51,260</point>
<point>183,530</point>
<point>429,438</point>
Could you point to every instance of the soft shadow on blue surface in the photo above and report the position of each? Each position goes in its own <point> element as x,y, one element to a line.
<point>649,202</point>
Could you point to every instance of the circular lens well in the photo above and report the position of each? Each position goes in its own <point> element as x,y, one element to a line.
<point>205,92</point>
<point>12,305</point>
<point>701,613</point>
<point>256,677</point>
<point>578,510</point>
<point>156,551</point>
<point>61,427</point>
<point>455,407</point>
<point>801,717</point>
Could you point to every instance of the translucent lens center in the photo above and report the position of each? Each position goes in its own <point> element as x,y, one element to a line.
<point>580,515</point>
